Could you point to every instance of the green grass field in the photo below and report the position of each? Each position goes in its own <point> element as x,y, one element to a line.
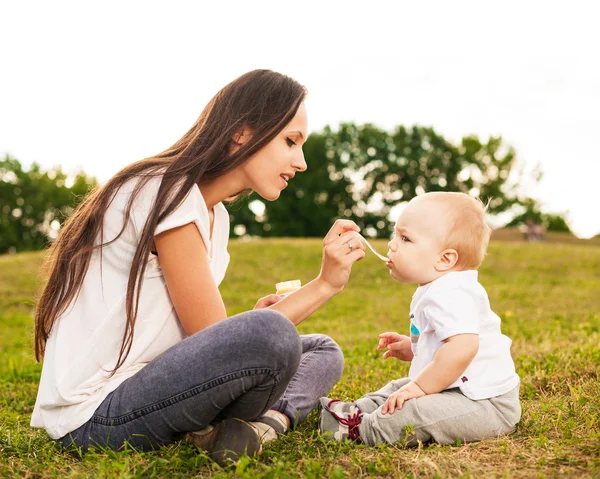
<point>549,301</point>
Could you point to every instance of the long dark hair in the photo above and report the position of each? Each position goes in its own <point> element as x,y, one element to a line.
<point>262,101</point>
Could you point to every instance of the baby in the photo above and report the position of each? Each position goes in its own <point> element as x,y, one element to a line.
<point>462,383</point>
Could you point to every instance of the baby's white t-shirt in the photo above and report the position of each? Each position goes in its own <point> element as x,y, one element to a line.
<point>85,341</point>
<point>457,304</point>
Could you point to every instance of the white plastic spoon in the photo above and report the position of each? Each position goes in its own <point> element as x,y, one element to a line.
<point>381,257</point>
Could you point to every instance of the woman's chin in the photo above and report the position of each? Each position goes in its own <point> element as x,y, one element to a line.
<point>269,195</point>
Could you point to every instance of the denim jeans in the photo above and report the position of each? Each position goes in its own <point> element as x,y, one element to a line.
<point>240,367</point>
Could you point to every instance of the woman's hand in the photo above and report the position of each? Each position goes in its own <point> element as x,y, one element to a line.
<point>267,301</point>
<point>342,247</point>
<point>397,345</point>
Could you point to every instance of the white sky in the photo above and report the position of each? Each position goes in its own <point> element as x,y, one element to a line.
<point>98,85</point>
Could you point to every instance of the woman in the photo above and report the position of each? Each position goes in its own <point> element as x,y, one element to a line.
<point>137,343</point>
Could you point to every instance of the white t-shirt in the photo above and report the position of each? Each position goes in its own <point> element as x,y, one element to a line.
<point>457,304</point>
<point>85,341</point>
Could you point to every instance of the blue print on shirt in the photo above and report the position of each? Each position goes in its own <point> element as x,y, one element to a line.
<point>414,330</point>
<point>414,335</point>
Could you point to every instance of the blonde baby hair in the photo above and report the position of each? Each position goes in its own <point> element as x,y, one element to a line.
<point>467,231</point>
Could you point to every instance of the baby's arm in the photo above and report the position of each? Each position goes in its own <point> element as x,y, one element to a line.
<point>449,362</point>
<point>397,345</point>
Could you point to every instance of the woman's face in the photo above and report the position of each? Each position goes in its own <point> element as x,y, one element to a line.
<point>270,169</point>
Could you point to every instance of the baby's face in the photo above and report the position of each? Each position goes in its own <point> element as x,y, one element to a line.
<point>418,242</point>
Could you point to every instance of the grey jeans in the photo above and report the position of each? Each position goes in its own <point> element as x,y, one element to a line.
<point>240,367</point>
<point>443,417</point>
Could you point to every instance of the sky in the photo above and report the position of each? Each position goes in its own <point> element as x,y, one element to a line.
<point>98,85</point>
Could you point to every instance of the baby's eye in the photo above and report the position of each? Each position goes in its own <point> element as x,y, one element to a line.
<point>290,142</point>
<point>404,239</point>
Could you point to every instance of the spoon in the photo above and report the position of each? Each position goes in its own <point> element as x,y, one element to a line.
<point>381,257</point>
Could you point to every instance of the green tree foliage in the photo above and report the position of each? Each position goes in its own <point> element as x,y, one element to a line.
<point>361,172</point>
<point>357,171</point>
<point>33,203</point>
<point>533,213</point>
<point>556,222</point>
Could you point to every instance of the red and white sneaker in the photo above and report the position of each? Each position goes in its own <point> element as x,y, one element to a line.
<point>339,420</point>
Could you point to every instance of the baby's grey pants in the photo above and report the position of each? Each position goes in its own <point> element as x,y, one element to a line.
<point>443,417</point>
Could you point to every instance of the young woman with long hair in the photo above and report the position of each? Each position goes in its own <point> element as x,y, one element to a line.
<point>136,341</point>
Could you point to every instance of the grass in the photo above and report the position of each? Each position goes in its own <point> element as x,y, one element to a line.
<point>546,294</point>
<point>513,234</point>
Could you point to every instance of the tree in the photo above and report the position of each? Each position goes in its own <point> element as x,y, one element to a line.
<point>361,172</point>
<point>34,203</point>
<point>533,213</point>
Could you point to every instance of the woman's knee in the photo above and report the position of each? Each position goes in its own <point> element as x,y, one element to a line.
<point>273,334</point>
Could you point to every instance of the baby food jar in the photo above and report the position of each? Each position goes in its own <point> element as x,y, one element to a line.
<point>286,287</point>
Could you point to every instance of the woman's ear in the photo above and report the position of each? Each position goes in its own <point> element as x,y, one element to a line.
<point>241,136</point>
<point>448,259</point>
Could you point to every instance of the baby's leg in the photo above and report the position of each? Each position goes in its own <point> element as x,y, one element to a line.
<point>370,402</point>
<point>443,418</point>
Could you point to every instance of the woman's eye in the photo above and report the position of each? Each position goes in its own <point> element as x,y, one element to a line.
<point>290,142</point>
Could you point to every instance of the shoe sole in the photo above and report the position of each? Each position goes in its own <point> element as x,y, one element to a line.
<point>320,406</point>
<point>320,409</point>
<point>234,438</point>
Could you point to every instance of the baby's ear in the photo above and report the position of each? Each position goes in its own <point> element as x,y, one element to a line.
<point>448,259</point>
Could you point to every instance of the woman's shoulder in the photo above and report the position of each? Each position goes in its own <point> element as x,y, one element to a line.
<point>145,190</point>
<point>191,208</point>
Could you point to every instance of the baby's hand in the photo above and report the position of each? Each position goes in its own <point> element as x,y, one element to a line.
<point>396,400</point>
<point>397,345</point>
<point>388,338</point>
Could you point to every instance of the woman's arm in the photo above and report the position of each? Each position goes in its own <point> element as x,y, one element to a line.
<point>197,300</point>
<point>336,266</point>
<point>184,262</point>
<point>302,303</point>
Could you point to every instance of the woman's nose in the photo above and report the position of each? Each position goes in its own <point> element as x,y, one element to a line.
<point>299,162</point>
